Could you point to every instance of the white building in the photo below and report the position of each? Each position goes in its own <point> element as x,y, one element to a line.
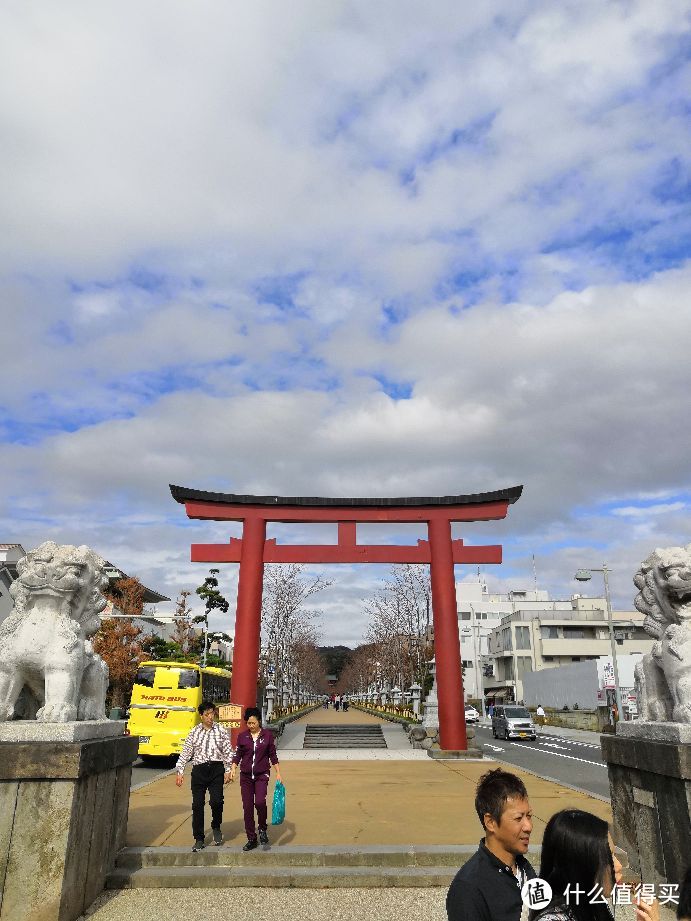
<point>479,613</point>
<point>10,554</point>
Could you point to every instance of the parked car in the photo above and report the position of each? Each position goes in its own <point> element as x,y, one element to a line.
<point>471,714</point>
<point>513,722</point>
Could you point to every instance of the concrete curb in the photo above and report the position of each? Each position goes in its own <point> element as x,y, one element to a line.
<point>325,867</point>
<point>146,783</point>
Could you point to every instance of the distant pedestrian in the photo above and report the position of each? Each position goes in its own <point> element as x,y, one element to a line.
<point>488,886</point>
<point>491,711</point>
<point>208,748</point>
<point>337,704</point>
<point>345,704</point>
<point>255,753</point>
<point>540,715</point>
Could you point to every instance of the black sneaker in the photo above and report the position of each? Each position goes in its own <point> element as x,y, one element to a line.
<point>199,845</point>
<point>251,844</point>
<point>263,836</point>
<point>218,836</point>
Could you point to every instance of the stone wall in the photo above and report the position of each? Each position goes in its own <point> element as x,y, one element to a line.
<point>650,787</point>
<point>572,719</point>
<point>63,817</point>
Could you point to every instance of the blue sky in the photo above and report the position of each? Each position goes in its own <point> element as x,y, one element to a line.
<point>347,249</point>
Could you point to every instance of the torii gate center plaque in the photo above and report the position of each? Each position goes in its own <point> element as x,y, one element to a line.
<point>440,551</point>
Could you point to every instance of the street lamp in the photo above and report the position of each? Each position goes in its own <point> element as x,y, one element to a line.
<point>585,575</point>
<point>479,683</point>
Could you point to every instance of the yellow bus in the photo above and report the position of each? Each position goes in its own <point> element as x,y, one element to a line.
<point>164,703</point>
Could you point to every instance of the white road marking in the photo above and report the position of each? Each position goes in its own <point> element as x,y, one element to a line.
<point>493,747</point>
<point>553,745</point>
<point>570,741</point>
<point>570,757</point>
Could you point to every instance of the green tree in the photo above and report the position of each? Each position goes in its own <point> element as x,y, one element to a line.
<point>213,601</point>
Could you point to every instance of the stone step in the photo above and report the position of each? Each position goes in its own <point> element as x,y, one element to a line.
<point>343,727</point>
<point>222,877</point>
<point>354,735</point>
<point>341,735</point>
<point>341,744</point>
<point>345,735</point>
<point>286,856</point>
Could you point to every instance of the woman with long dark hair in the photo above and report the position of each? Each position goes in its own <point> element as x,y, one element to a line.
<point>579,863</point>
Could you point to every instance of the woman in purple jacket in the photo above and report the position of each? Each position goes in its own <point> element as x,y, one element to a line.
<point>255,753</point>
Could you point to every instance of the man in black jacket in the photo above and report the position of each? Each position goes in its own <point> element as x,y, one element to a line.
<point>488,887</point>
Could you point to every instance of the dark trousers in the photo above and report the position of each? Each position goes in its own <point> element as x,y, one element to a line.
<point>253,794</point>
<point>208,776</point>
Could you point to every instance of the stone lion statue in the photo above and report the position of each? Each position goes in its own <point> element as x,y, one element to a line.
<point>663,676</point>
<point>45,651</point>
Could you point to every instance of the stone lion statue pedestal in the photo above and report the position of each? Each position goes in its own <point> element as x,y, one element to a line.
<point>649,760</point>
<point>65,775</point>
<point>649,767</point>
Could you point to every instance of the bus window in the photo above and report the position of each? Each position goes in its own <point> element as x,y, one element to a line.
<point>145,676</point>
<point>188,678</point>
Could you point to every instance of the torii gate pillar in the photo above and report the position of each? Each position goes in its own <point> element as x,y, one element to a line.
<point>247,624</point>
<point>440,552</point>
<point>446,638</point>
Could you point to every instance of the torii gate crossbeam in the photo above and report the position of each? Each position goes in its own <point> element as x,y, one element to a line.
<point>253,550</point>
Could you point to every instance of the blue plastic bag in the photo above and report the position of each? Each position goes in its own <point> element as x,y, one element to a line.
<point>278,810</point>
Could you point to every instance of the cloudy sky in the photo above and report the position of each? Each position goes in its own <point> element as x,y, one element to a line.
<point>347,249</point>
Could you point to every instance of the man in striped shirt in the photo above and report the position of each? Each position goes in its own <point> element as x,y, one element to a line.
<point>208,748</point>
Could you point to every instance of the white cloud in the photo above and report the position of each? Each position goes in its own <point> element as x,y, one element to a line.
<point>646,511</point>
<point>226,225</point>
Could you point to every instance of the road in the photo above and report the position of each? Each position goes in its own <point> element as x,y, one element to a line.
<point>143,772</point>
<point>572,763</point>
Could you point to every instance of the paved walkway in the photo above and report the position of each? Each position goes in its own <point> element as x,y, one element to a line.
<point>285,904</point>
<point>406,798</point>
<point>271,905</point>
<point>398,746</point>
<point>334,802</point>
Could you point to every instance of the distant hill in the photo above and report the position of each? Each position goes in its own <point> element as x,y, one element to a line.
<point>335,658</point>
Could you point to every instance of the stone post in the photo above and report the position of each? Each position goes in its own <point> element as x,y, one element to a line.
<point>430,718</point>
<point>270,697</point>
<point>416,690</point>
<point>396,694</point>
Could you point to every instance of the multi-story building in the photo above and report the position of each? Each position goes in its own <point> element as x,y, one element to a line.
<point>479,613</point>
<point>532,639</point>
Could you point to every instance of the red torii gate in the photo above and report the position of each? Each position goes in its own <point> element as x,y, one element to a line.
<point>439,551</point>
